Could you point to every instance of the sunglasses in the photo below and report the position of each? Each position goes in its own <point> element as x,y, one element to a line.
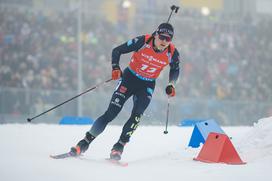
<point>166,38</point>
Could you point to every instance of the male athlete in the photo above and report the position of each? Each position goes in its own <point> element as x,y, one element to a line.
<point>151,54</point>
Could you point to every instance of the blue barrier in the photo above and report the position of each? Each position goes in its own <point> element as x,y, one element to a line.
<point>190,122</point>
<point>74,120</point>
<point>202,130</point>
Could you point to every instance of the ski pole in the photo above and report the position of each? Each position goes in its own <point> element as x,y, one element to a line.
<point>173,8</point>
<point>88,90</point>
<point>167,116</point>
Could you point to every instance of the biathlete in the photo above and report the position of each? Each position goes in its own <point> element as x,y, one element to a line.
<point>151,54</point>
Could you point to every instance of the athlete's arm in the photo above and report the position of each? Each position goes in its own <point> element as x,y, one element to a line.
<point>174,67</point>
<point>130,46</point>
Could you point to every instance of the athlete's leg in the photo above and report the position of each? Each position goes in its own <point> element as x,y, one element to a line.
<point>118,99</point>
<point>141,101</point>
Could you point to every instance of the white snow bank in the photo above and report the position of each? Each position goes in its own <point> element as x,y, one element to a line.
<point>256,144</point>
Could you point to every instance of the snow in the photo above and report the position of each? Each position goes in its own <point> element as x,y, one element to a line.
<point>152,155</point>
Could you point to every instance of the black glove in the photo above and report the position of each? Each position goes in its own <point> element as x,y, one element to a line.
<point>170,90</point>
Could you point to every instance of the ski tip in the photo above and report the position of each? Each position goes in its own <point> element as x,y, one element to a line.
<point>55,156</point>
<point>62,156</point>
<point>52,156</point>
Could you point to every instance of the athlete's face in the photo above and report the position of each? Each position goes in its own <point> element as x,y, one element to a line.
<point>162,41</point>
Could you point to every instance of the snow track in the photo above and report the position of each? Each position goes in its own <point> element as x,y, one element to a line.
<point>25,150</point>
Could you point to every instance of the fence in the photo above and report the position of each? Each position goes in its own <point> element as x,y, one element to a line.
<point>18,104</point>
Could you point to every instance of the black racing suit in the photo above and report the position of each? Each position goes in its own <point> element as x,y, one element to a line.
<point>131,85</point>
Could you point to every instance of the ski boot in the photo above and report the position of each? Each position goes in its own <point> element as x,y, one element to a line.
<point>82,145</point>
<point>117,150</point>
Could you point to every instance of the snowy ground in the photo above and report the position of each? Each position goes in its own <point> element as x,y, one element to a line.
<point>25,150</point>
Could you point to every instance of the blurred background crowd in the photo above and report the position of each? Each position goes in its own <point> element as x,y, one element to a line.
<point>225,57</point>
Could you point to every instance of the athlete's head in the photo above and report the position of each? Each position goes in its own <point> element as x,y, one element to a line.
<point>164,35</point>
<point>165,29</point>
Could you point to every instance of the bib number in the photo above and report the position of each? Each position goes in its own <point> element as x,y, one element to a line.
<point>148,69</point>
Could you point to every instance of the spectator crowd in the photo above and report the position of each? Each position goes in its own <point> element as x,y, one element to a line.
<point>223,59</point>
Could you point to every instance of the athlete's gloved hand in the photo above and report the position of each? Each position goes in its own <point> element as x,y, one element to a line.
<point>170,90</point>
<point>116,72</point>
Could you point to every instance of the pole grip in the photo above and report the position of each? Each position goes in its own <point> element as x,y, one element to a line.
<point>173,8</point>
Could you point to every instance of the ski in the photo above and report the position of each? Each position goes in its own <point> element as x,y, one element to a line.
<point>72,155</point>
<point>116,162</point>
<point>63,155</point>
